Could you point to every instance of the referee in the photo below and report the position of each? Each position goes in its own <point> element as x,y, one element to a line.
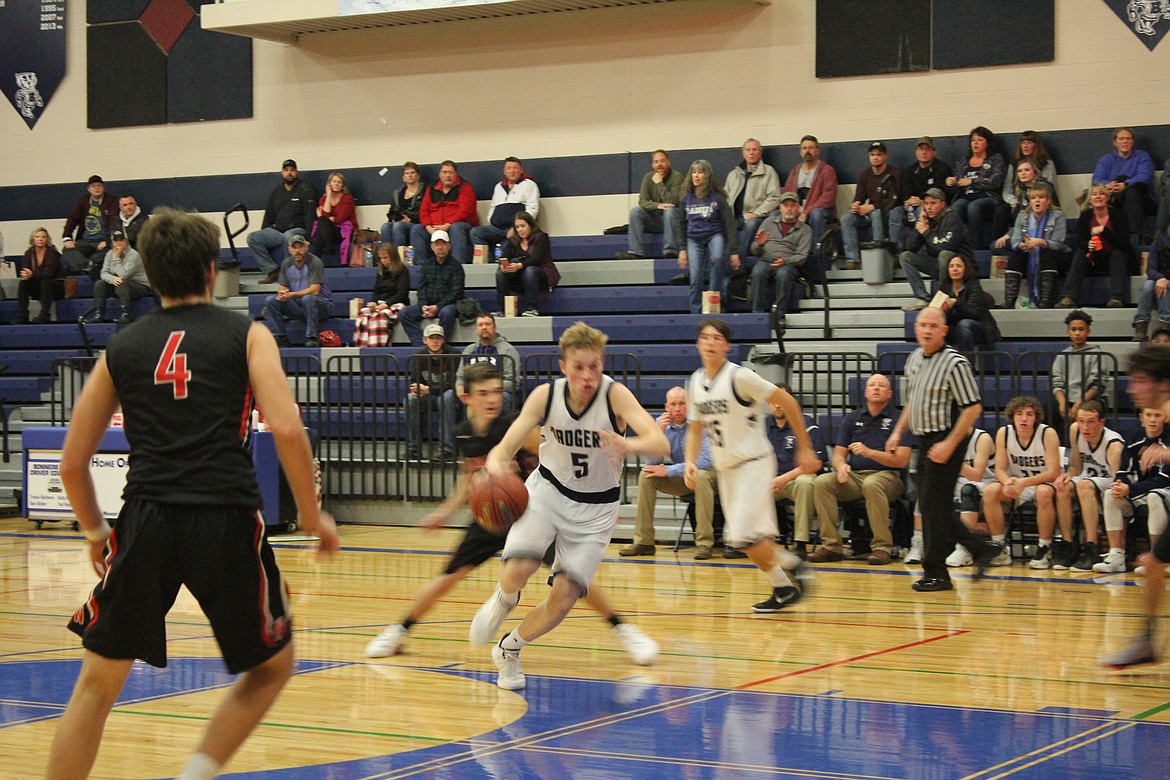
<point>942,405</point>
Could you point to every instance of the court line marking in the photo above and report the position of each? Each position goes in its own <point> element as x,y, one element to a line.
<point>1066,745</point>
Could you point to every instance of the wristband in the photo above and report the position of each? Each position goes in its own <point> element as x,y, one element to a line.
<point>99,534</point>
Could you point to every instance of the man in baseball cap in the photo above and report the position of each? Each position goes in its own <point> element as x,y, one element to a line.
<point>440,285</point>
<point>291,209</point>
<point>874,200</point>
<point>917,179</point>
<point>301,294</point>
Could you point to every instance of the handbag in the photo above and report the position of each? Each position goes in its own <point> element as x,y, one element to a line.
<point>365,236</point>
<point>329,338</point>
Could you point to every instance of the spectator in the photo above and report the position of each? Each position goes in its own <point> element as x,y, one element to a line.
<point>1094,459</point>
<point>1031,147</point>
<point>1022,178</point>
<point>1160,337</point>
<point>440,285</point>
<point>936,238</point>
<point>753,191</point>
<point>1128,175</point>
<point>656,478</point>
<point>1139,482</point>
<point>815,184</point>
<point>874,202</point>
<point>970,324</point>
<point>39,270</point>
<point>709,231</point>
<point>1027,461</point>
<point>1038,246</point>
<point>1102,247</point>
<point>514,194</point>
<point>978,183</point>
<point>490,348</point>
<point>1154,289</point>
<point>87,228</point>
<point>447,206</point>
<point>432,375</point>
<point>404,207</point>
<point>289,213</point>
<point>1076,374</point>
<point>377,317</point>
<point>793,482</point>
<point>1162,219</point>
<point>783,244</point>
<point>657,211</point>
<point>301,294</point>
<point>335,211</point>
<point>130,218</point>
<point>526,266</point>
<point>123,274</point>
<point>930,173</point>
<point>860,468</point>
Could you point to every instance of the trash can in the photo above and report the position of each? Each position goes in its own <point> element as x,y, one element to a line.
<point>877,265</point>
<point>771,364</point>
<point>227,280</point>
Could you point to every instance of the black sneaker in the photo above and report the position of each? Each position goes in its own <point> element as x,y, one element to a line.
<point>1090,554</point>
<point>629,256</point>
<point>443,457</point>
<point>780,598</point>
<point>1064,555</point>
<point>990,552</point>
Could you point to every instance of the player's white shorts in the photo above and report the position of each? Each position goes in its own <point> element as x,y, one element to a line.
<point>582,531</point>
<point>963,481</point>
<point>749,508</point>
<point>1102,483</point>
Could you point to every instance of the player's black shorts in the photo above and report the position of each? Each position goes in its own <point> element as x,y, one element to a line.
<point>220,553</point>
<point>477,547</point>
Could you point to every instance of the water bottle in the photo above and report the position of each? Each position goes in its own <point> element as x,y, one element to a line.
<point>369,257</point>
<point>499,253</point>
<point>410,255</point>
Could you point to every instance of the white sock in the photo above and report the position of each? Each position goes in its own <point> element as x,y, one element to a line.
<point>200,767</point>
<point>999,537</point>
<point>788,560</point>
<point>1045,542</point>
<point>513,642</point>
<point>1118,550</point>
<point>916,538</point>
<point>778,577</point>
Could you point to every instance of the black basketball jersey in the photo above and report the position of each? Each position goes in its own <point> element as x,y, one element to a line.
<point>475,448</point>
<point>182,376</point>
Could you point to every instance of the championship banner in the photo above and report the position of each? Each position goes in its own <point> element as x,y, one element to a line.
<point>32,54</point>
<point>1149,20</point>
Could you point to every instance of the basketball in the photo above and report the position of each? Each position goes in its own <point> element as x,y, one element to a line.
<point>497,502</point>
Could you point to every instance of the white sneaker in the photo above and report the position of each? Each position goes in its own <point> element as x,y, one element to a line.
<point>1004,558</point>
<point>1140,571</point>
<point>914,554</point>
<point>642,649</point>
<point>387,643</point>
<point>960,557</point>
<point>511,678</point>
<point>486,623</point>
<point>1112,563</point>
<point>1042,559</point>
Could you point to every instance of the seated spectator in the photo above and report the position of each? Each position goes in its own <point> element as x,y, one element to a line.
<point>39,270</point>
<point>440,285</point>
<point>447,206</point>
<point>708,232</point>
<point>432,374</point>
<point>1102,248</point>
<point>875,201</point>
<point>1031,147</point>
<point>657,210</point>
<point>1160,337</point>
<point>753,192</point>
<point>378,316</point>
<point>936,238</point>
<point>861,468</point>
<point>1027,461</point>
<point>930,173</point>
<point>290,212</point>
<point>792,482</point>
<point>1094,458</point>
<point>1039,247</point>
<point>978,182</point>
<point>122,273</point>
<point>526,267</point>
<point>301,294</point>
<point>1076,373</point>
<point>130,218</point>
<point>656,478</point>
<point>970,324</point>
<point>1154,289</point>
<point>336,218</point>
<point>815,185</point>
<point>783,246</point>
<point>405,203</point>
<point>1162,220</point>
<point>87,228</point>
<point>1141,481</point>
<point>1128,175</point>
<point>1022,177</point>
<point>514,194</point>
<point>489,348</point>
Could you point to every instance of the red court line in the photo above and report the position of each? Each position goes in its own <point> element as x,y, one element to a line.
<point>831,664</point>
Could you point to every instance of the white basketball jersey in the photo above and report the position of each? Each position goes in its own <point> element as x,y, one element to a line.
<point>1094,462</point>
<point>1026,461</point>
<point>969,458</point>
<point>572,457</point>
<point>731,406</point>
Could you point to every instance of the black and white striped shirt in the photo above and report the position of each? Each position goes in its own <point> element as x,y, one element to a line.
<point>936,387</point>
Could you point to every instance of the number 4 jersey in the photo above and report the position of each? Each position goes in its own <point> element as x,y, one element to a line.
<point>731,406</point>
<point>181,375</point>
<point>572,456</point>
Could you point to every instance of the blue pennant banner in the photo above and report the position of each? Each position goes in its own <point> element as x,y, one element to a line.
<point>1149,20</point>
<point>32,54</point>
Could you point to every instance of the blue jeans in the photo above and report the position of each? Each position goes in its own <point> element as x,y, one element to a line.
<point>979,214</point>
<point>309,308</point>
<point>818,220</point>
<point>967,335</point>
<point>487,234</point>
<point>397,233</point>
<point>262,242</point>
<point>460,234</point>
<point>763,274</point>
<point>918,264</point>
<point>668,222</point>
<point>411,319</point>
<point>432,403</point>
<point>528,283</point>
<point>705,259</point>
<point>853,226</point>
<point>745,238</point>
<point>1148,300</point>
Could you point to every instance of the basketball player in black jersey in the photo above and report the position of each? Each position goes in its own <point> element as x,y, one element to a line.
<point>185,377</point>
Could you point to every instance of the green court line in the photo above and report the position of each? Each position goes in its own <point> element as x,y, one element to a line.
<point>292,726</point>
<point>1155,710</point>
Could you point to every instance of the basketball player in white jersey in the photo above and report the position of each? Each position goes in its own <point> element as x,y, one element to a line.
<point>573,496</point>
<point>731,403</point>
<point>1094,459</point>
<point>977,472</point>
<point>1027,461</point>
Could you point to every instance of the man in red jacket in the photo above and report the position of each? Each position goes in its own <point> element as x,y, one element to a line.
<point>447,205</point>
<point>87,228</point>
<point>815,184</point>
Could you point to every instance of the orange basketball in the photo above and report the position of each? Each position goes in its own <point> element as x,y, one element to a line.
<point>497,502</point>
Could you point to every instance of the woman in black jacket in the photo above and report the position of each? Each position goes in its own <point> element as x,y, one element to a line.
<point>1103,248</point>
<point>378,316</point>
<point>968,318</point>
<point>526,266</point>
<point>404,205</point>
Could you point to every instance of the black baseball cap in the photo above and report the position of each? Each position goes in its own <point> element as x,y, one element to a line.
<point>289,163</point>
<point>877,146</point>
